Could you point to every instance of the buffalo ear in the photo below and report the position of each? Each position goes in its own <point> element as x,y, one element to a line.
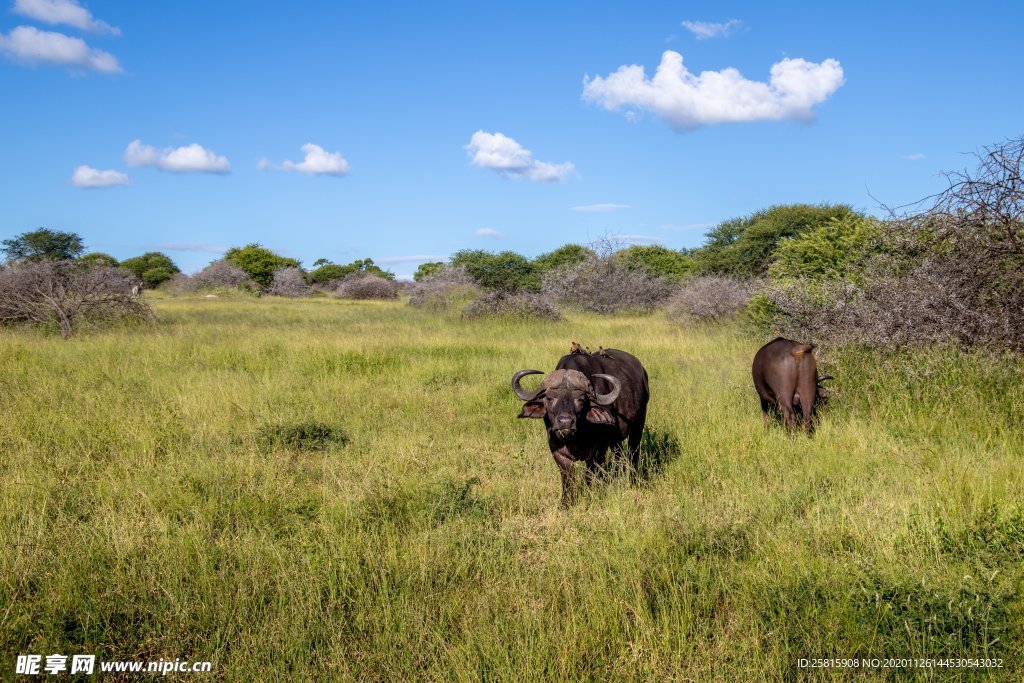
<point>599,415</point>
<point>532,409</point>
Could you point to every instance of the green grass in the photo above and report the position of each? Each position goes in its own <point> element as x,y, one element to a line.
<point>332,490</point>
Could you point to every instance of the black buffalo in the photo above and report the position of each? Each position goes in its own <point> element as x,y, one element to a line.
<point>590,403</point>
<point>786,378</point>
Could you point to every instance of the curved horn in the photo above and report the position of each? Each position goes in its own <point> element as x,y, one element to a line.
<point>523,394</point>
<point>824,377</point>
<point>605,399</point>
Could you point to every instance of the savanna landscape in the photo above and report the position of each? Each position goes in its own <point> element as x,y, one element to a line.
<point>539,342</point>
<point>329,481</point>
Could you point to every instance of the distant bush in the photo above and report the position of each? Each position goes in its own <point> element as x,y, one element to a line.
<point>326,271</point>
<point>657,261</point>
<point>743,247</point>
<point>839,249</point>
<point>98,258</point>
<point>218,275</point>
<point>290,282</point>
<point>567,255</point>
<point>606,285</point>
<point>512,304</point>
<point>362,286</point>
<point>443,289</point>
<point>66,295</point>
<point>258,262</point>
<point>428,269</point>
<point>506,271</point>
<point>152,268</point>
<point>710,297</point>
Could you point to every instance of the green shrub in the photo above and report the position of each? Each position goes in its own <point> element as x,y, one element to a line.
<point>838,249</point>
<point>258,262</point>
<point>152,268</point>
<point>506,271</point>
<point>567,255</point>
<point>744,247</point>
<point>657,261</point>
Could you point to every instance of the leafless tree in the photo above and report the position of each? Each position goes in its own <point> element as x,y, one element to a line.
<point>365,286</point>
<point>67,295</point>
<point>442,288</point>
<point>512,304</point>
<point>289,282</point>
<point>710,297</point>
<point>605,284</point>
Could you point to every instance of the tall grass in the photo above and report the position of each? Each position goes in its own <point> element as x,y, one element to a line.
<point>325,489</point>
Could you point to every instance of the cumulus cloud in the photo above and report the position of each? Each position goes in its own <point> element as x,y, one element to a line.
<point>192,158</point>
<point>29,45</point>
<point>589,208</point>
<point>685,100</point>
<point>501,153</point>
<point>707,29</point>
<point>67,12</point>
<point>317,161</point>
<point>88,177</point>
<point>489,232</point>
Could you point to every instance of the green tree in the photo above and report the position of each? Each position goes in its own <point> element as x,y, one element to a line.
<point>96,259</point>
<point>43,244</point>
<point>566,255</point>
<point>328,271</point>
<point>427,269</point>
<point>258,262</point>
<point>743,247</point>
<point>505,271</point>
<point>152,268</point>
<point>836,250</point>
<point>657,261</point>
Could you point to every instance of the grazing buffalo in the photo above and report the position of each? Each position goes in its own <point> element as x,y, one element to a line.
<point>786,379</point>
<point>590,403</point>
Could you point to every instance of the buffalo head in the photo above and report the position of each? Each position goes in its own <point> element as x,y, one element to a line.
<point>564,397</point>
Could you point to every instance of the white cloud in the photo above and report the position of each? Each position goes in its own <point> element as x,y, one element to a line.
<point>191,246</point>
<point>318,161</point>
<point>600,207</point>
<point>89,177</point>
<point>30,45</point>
<point>686,101</point>
<point>67,12</point>
<point>707,29</point>
<point>916,156</point>
<point>489,232</point>
<point>192,158</point>
<point>501,153</point>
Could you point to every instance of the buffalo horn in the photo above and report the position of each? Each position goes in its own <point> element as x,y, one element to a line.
<point>523,393</point>
<point>606,399</point>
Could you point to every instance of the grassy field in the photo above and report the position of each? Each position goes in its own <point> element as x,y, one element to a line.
<point>327,490</point>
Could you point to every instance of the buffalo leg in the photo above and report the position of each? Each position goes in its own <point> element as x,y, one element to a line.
<point>567,468</point>
<point>788,416</point>
<point>808,392</point>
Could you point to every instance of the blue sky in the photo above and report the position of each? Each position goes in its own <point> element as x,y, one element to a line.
<point>402,130</point>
